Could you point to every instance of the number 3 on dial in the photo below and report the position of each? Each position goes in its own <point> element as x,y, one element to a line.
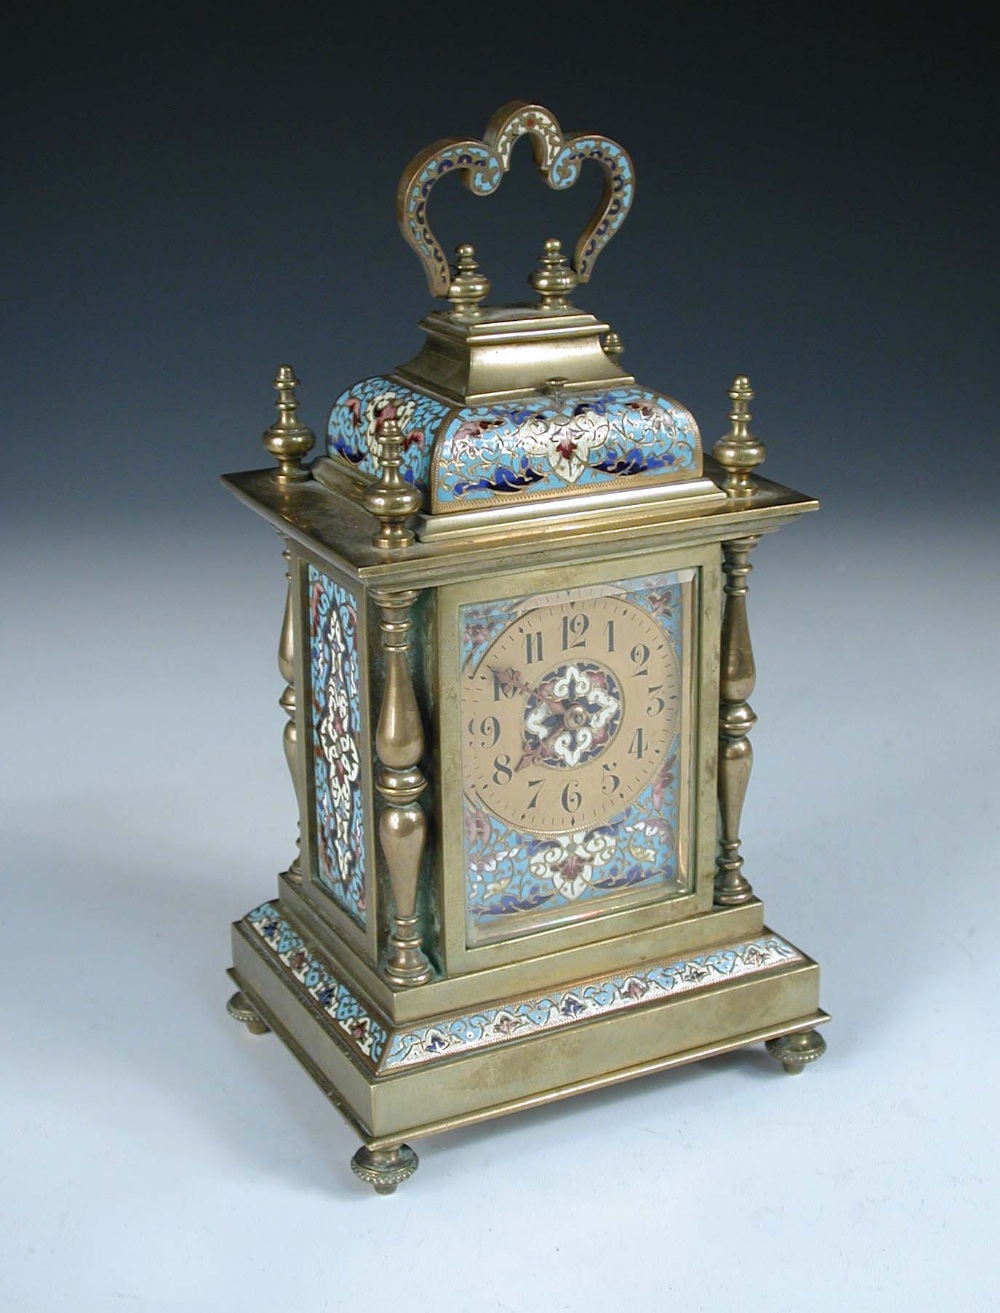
<point>569,715</point>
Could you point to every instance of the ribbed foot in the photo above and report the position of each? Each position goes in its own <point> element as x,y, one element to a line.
<point>240,1007</point>
<point>384,1169</point>
<point>795,1052</point>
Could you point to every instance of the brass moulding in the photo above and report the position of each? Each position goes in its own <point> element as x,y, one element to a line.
<point>543,971</point>
<point>334,528</point>
<point>648,501</point>
<point>506,352</point>
<point>485,1081</point>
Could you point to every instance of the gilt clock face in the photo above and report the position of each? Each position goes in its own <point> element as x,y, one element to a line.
<point>570,714</point>
<point>573,710</point>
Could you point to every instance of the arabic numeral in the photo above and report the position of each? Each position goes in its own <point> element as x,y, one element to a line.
<point>572,798</point>
<point>610,782</point>
<point>657,704</point>
<point>637,747</point>
<point>573,629</point>
<point>504,684</point>
<point>488,730</point>
<point>502,773</point>
<point>640,655</point>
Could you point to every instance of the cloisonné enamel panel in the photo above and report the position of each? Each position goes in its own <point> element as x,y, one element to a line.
<point>577,732</point>
<point>341,840</point>
<point>482,455</point>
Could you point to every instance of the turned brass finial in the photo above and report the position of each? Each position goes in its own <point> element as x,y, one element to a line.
<point>552,278</point>
<point>469,285</point>
<point>739,452</point>
<point>287,439</point>
<point>613,346</point>
<point>391,500</point>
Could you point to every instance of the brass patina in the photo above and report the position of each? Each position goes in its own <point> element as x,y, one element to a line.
<point>436,729</point>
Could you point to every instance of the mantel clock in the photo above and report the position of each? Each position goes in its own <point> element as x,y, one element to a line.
<point>517,668</point>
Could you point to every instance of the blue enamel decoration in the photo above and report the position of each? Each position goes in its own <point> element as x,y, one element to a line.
<point>336,748</point>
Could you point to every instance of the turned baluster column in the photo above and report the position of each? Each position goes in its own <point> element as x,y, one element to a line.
<point>289,704</point>
<point>736,720</point>
<point>738,453</point>
<point>289,441</point>
<point>399,743</point>
<point>399,738</point>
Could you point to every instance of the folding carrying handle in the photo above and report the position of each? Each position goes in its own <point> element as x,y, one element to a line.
<point>482,164</point>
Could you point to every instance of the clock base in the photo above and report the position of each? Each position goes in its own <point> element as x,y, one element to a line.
<point>402,1081</point>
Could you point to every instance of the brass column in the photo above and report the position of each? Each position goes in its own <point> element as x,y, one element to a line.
<point>289,704</point>
<point>399,738</point>
<point>289,441</point>
<point>399,743</point>
<point>736,720</point>
<point>739,453</point>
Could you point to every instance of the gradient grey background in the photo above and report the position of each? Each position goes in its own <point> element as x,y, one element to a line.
<point>195,198</point>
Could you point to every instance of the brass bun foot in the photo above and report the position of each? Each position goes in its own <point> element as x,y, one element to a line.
<point>240,1007</point>
<point>795,1052</point>
<point>384,1169</point>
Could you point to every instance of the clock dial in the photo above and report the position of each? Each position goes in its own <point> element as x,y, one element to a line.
<point>569,714</point>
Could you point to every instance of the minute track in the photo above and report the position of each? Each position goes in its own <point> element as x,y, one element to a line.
<point>565,694</point>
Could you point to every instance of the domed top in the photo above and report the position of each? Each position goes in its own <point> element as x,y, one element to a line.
<point>547,444</point>
<point>513,412</point>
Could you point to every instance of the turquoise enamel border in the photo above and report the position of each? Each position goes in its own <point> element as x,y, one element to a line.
<point>356,1025</point>
<point>584,1002</point>
<point>367,1032</point>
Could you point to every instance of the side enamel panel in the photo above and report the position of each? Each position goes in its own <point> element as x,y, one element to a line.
<point>341,841</point>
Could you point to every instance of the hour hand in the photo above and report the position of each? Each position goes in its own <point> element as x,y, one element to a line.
<point>510,681</point>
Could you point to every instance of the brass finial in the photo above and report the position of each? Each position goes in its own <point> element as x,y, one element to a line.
<point>552,278</point>
<point>392,500</point>
<point>739,452</point>
<point>287,439</point>
<point>613,346</point>
<point>469,285</point>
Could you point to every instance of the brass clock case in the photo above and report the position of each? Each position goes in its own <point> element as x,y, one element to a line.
<point>517,668</point>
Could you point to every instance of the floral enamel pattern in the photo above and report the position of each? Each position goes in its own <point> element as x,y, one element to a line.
<point>488,452</point>
<point>476,455</point>
<point>355,1022</point>
<point>362,1028</point>
<point>571,716</point>
<point>523,866</point>
<point>527,1017</point>
<point>336,731</point>
<point>354,429</point>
